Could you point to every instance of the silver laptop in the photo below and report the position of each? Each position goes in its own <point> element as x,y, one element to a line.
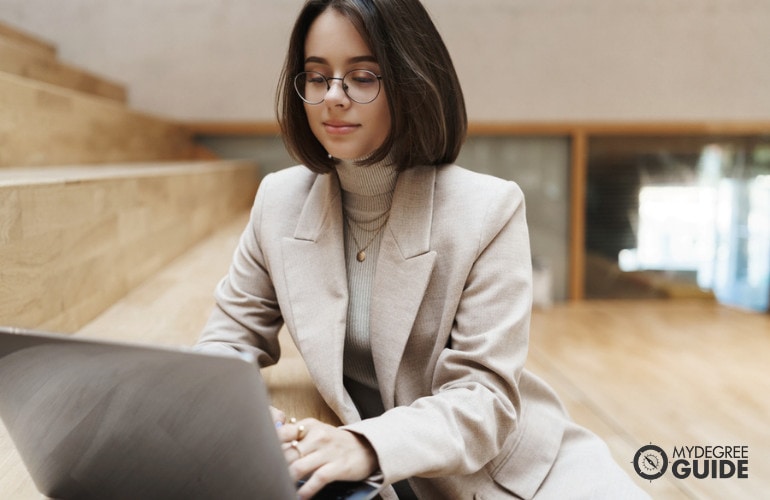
<point>96,419</point>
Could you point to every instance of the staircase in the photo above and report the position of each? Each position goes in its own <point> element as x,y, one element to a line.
<point>113,224</point>
<point>96,198</point>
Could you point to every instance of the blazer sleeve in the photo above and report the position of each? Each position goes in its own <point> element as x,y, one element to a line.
<point>246,318</point>
<point>475,400</point>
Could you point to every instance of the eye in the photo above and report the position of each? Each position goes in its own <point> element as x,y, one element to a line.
<point>362,78</point>
<point>313,78</point>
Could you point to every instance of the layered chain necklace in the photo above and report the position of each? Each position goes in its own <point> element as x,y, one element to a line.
<point>378,221</point>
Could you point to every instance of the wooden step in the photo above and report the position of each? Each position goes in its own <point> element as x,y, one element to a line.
<point>172,306</point>
<point>20,60</point>
<point>42,124</point>
<point>74,240</point>
<point>23,38</point>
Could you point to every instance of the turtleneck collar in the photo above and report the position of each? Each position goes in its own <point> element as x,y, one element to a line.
<point>371,180</point>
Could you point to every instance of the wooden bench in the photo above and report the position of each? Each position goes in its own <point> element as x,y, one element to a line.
<point>54,113</point>
<point>27,40</point>
<point>76,239</point>
<point>44,124</point>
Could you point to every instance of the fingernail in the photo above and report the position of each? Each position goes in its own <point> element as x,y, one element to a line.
<point>278,424</point>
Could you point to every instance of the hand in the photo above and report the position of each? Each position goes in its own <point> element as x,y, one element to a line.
<point>322,453</point>
<point>279,417</point>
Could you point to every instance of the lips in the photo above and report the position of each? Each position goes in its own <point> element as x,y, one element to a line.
<point>339,128</point>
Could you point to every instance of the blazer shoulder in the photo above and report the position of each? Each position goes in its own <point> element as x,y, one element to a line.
<point>457,184</point>
<point>286,186</point>
<point>281,196</point>
<point>291,179</point>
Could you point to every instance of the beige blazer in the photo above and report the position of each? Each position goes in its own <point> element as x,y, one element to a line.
<point>449,324</point>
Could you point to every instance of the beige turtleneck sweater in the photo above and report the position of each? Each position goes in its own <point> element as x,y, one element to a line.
<point>367,194</point>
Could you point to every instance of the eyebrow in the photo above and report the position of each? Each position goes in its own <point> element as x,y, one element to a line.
<point>352,60</point>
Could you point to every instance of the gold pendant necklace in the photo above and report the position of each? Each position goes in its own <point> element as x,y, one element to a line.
<point>361,254</point>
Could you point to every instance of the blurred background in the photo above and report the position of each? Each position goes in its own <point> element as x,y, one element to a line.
<point>657,108</point>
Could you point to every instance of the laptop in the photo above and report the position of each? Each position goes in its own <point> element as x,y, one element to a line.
<point>98,419</point>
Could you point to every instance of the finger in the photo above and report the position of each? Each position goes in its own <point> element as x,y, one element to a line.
<point>291,451</point>
<point>297,430</point>
<point>295,446</point>
<point>279,417</point>
<point>302,467</point>
<point>290,432</point>
<point>320,478</point>
<point>302,458</point>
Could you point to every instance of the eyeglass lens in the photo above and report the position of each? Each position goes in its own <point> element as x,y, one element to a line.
<point>361,86</point>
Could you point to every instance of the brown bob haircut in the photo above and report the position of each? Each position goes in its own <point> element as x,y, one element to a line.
<point>427,109</point>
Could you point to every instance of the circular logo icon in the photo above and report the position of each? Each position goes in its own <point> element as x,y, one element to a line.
<point>650,462</point>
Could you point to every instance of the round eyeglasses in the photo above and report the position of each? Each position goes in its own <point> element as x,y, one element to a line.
<point>360,85</point>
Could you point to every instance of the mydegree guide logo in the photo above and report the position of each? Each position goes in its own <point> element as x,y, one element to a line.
<point>701,462</point>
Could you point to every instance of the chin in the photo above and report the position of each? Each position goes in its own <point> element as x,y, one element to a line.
<point>346,154</point>
<point>346,150</point>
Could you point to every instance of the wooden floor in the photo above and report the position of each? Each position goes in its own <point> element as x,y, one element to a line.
<point>671,373</point>
<point>679,373</point>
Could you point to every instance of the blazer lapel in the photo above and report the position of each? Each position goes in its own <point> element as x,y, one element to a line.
<point>404,268</point>
<point>316,283</point>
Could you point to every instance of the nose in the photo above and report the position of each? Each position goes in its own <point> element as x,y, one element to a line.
<point>336,93</point>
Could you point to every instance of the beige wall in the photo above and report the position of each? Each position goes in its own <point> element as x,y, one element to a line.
<point>522,60</point>
<point>612,59</point>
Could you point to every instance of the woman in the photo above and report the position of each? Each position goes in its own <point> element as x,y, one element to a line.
<point>403,280</point>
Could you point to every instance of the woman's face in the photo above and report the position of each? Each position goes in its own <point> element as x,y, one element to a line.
<point>347,129</point>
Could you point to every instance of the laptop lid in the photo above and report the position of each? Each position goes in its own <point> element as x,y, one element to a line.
<point>95,419</point>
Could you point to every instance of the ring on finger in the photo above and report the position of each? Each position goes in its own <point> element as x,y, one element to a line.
<point>295,444</point>
<point>301,432</point>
